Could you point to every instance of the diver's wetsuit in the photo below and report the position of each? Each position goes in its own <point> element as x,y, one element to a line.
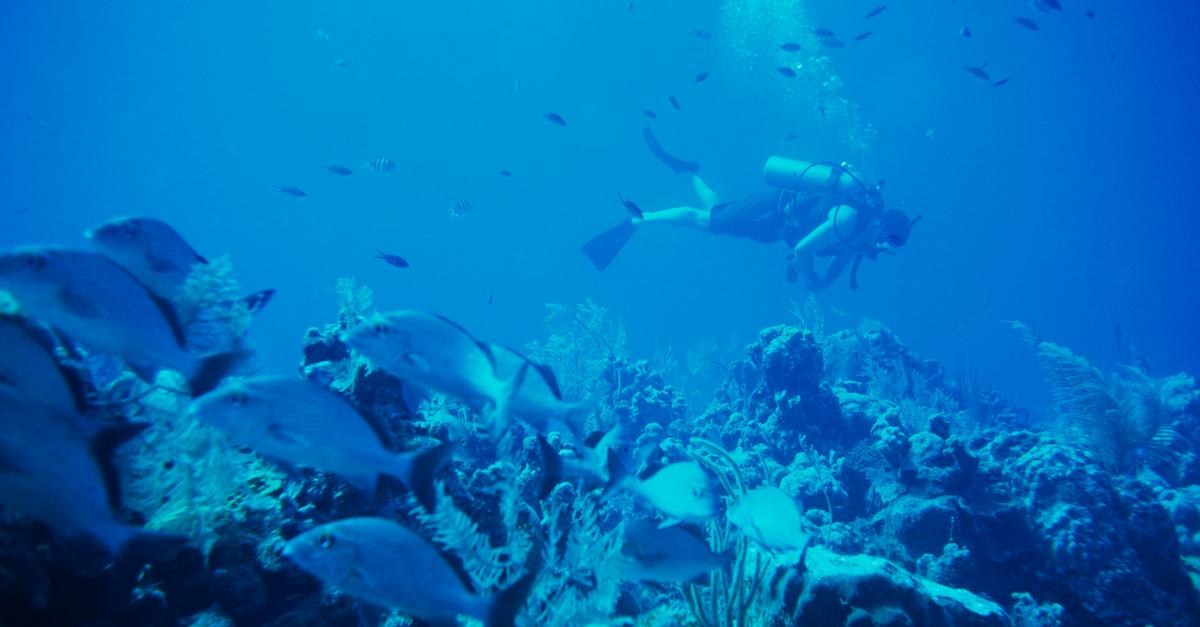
<point>773,215</point>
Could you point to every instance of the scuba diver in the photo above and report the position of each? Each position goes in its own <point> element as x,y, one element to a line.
<point>819,209</point>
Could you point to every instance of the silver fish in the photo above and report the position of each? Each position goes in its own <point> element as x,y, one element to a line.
<point>674,554</point>
<point>27,363</point>
<point>150,250</point>
<point>538,400</point>
<point>49,472</point>
<point>98,303</point>
<point>771,518</point>
<point>682,491</point>
<point>460,208</point>
<point>297,421</point>
<point>382,562</point>
<point>431,351</point>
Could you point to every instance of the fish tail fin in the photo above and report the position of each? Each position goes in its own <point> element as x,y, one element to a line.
<point>506,605</point>
<point>617,474</point>
<point>503,400</point>
<point>552,467</point>
<point>603,248</point>
<point>213,368</point>
<point>418,471</point>
<point>255,302</point>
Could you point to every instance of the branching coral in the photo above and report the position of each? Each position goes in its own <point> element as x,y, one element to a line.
<point>581,341</point>
<point>213,316</point>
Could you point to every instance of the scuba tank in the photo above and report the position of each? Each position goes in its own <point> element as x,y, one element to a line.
<point>810,176</point>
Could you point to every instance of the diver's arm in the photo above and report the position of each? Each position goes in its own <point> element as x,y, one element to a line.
<point>832,272</point>
<point>839,222</point>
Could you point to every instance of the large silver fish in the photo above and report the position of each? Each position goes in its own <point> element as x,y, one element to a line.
<point>96,302</point>
<point>27,363</point>
<point>682,491</point>
<point>538,400</point>
<point>383,562</point>
<point>151,250</point>
<point>431,351</point>
<point>300,422</point>
<point>48,471</point>
<point>673,554</point>
<point>771,518</point>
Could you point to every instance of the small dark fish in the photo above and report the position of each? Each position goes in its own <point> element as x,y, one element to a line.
<point>294,192</point>
<point>700,77</point>
<point>790,46</point>
<point>1003,81</point>
<point>977,72</point>
<point>823,32</point>
<point>786,71</point>
<point>822,109</point>
<point>1027,23</point>
<point>832,42</point>
<point>555,118</point>
<point>650,114</point>
<point>964,31</point>
<point>341,63</point>
<point>1091,15</point>
<point>491,297</point>
<point>339,170</point>
<point>1045,6</point>
<point>630,6</point>
<point>876,11</point>
<point>505,173</point>
<point>862,36</point>
<point>702,34</point>
<point>392,260</point>
<point>460,208</point>
<point>631,207</point>
<point>790,136</point>
<point>673,102</point>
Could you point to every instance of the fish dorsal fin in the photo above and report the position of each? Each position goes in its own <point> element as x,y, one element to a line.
<point>543,370</point>
<point>106,440</point>
<point>49,342</point>
<point>487,350</point>
<point>171,315</point>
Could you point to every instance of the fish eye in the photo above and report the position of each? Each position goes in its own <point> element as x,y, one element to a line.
<point>237,399</point>
<point>380,329</point>
<point>35,262</point>
<point>325,541</point>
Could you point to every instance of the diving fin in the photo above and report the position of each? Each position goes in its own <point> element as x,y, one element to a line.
<point>603,248</point>
<point>679,166</point>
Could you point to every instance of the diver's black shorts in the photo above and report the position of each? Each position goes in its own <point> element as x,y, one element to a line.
<point>759,216</point>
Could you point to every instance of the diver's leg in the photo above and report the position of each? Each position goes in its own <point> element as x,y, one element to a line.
<point>684,217</point>
<point>707,196</point>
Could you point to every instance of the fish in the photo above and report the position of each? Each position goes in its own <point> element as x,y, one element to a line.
<point>1026,23</point>
<point>790,135</point>
<point>786,72</point>
<point>383,562</point>
<point>770,517</point>
<point>821,31</point>
<point>460,208</point>
<point>52,471</point>
<point>821,108</point>
<point>876,11</point>
<point>505,173</point>
<point>587,462</point>
<point>673,555</point>
<point>629,6</point>
<point>151,250</point>
<point>1003,81</point>
<point>631,207</point>
<point>28,364</point>
<point>392,260</point>
<point>682,491</point>
<point>381,164</point>
<point>964,31</point>
<point>538,400</point>
<point>674,102</point>
<point>1091,15</point>
<point>434,352</point>
<point>94,301</point>
<point>701,77</point>
<point>321,35</point>
<point>1045,6</point>
<point>555,118</point>
<point>702,34</point>
<point>299,422</point>
<point>790,46</point>
<point>977,71</point>
<point>931,132</point>
<point>340,63</point>
<point>339,170</point>
<point>294,192</point>
<point>832,42</point>
<point>650,114</point>
<point>861,36</point>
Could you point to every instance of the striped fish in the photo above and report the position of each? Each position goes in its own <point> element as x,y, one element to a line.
<point>381,164</point>
<point>460,208</point>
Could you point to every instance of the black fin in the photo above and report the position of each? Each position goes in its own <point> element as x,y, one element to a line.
<point>214,368</point>
<point>425,467</point>
<point>255,302</point>
<point>593,439</point>
<point>552,467</point>
<point>509,602</point>
<point>603,248</point>
<point>545,371</point>
<point>679,166</point>
<point>169,313</point>
<point>616,473</point>
<point>103,443</point>
<point>49,342</point>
